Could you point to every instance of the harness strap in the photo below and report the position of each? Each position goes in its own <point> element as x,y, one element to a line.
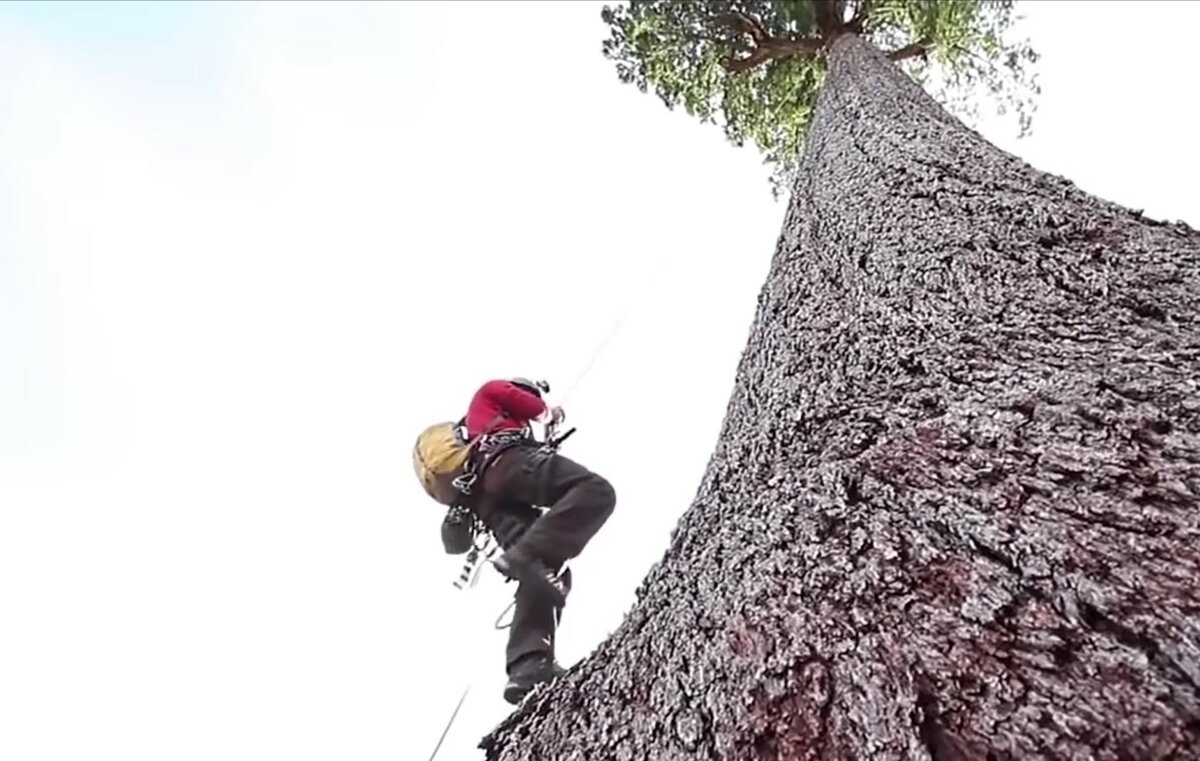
<point>484,450</point>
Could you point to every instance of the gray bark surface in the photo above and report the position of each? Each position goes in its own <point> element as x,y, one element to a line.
<point>953,512</point>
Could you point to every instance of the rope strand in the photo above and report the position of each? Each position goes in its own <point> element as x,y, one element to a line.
<point>626,309</point>
<point>450,723</point>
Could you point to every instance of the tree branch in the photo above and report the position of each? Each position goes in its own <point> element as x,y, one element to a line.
<point>912,50</point>
<point>775,48</point>
<point>738,65</point>
<point>766,47</point>
<point>750,26</point>
<point>830,15</point>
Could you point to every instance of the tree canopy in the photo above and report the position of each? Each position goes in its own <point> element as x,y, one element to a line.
<point>755,67</point>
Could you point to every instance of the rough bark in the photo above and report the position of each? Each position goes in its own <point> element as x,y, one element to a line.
<point>953,510</point>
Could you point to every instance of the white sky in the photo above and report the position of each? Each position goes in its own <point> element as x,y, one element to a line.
<point>248,251</point>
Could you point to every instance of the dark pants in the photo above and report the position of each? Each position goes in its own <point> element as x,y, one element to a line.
<point>577,502</point>
<point>535,616</point>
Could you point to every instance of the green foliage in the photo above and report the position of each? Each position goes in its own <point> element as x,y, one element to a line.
<point>683,49</point>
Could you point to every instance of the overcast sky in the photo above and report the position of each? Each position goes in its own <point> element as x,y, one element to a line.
<point>248,251</point>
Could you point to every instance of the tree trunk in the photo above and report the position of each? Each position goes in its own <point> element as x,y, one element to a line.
<point>953,510</point>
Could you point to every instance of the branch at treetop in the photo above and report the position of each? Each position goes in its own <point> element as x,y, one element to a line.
<point>830,15</point>
<point>751,26</point>
<point>766,47</point>
<point>912,50</point>
<point>775,48</point>
<point>738,65</point>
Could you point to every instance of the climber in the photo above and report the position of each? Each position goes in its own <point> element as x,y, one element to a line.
<point>542,508</point>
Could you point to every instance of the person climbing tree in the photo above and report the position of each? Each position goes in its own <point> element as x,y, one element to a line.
<point>515,476</point>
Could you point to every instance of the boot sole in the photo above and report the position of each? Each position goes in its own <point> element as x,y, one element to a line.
<point>514,694</point>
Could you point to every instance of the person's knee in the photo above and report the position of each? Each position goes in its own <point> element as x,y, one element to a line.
<point>602,496</point>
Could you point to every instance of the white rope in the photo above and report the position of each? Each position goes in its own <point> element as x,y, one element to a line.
<point>626,309</point>
<point>612,331</point>
<point>475,575</point>
<point>450,723</point>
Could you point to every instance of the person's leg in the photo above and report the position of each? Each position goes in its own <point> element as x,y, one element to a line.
<point>506,519</point>
<point>579,502</point>
<point>536,617</point>
<point>529,655</point>
<point>530,652</point>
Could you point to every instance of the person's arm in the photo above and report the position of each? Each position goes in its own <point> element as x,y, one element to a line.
<point>516,401</point>
<point>458,535</point>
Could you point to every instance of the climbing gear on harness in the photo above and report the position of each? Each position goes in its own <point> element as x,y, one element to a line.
<point>487,447</point>
<point>473,564</point>
<point>554,441</point>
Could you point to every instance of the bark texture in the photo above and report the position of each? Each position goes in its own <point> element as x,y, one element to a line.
<point>953,512</point>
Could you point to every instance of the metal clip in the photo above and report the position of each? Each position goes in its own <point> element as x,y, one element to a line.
<point>464,482</point>
<point>473,565</point>
<point>554,441</point>
<point>468,566</point>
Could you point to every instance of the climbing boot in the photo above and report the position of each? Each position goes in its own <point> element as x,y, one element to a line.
<point>529,672</point>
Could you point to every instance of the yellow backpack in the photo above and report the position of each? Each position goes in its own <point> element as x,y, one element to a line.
<point>440,459</point>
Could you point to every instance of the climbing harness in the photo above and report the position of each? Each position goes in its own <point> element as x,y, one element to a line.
<point>481,553</point>
<point>488,446</point>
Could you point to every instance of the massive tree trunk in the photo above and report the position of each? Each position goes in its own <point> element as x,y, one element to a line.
<point>953,512</point>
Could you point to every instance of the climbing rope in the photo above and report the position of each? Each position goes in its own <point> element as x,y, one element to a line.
<point>469,579</point>
<point>612,331</point>
<point>450,723</point>
<point>617,323</point>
